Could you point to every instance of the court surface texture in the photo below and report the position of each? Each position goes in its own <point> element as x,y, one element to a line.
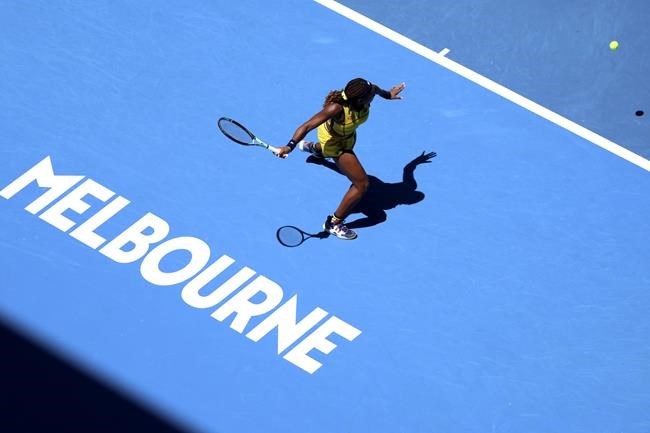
<point>501,286</point>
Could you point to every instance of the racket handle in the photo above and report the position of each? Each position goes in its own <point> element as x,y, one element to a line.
<point>275,151</point>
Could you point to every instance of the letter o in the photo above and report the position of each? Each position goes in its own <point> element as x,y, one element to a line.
<point>150,267</point>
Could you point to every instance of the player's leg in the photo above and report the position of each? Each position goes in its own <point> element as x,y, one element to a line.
<point>349,165</point>
<point>313,147</point>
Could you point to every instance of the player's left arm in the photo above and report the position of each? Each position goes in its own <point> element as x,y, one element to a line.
<point>393,93</point>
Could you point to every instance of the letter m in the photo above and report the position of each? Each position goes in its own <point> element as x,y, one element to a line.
<point>44,176</point>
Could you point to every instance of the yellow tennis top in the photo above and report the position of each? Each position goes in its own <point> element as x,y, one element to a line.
<point>332,131</point>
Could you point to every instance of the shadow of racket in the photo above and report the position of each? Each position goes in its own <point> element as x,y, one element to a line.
<point>292,236</point>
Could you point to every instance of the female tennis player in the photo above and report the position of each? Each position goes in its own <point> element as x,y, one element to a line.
<point>342,113</point>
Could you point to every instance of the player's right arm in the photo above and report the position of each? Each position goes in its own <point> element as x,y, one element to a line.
<point>328,112</point>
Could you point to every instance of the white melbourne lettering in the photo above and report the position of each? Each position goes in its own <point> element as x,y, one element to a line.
<point>146,240</point>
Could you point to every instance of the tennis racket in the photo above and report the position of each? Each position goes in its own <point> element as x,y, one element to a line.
<point>240,134</point>
<point>291,236</point>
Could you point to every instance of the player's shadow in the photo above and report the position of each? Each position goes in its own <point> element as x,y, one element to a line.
<point>382,196</point>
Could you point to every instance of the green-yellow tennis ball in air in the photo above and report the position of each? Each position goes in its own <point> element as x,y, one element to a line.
<point>613,45</point>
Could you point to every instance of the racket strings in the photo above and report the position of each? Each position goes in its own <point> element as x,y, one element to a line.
<point>235,131</point>
<point>290,236</point>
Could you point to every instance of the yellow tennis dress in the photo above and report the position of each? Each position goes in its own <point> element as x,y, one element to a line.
<point>335,137</point>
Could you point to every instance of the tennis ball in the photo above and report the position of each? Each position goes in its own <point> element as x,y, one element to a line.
<point>613,45</point>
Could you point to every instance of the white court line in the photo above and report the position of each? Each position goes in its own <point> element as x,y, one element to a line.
<point>482,81</point>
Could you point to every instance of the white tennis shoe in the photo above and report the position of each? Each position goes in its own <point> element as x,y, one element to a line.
<point>309,147</point>
<point>340,230</point>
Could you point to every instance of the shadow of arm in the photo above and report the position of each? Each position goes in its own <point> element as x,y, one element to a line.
<point>408,176</point>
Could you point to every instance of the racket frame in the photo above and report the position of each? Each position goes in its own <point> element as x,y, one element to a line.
<point>254,141</point>
<point>320,235</point>
<point>304,236</point>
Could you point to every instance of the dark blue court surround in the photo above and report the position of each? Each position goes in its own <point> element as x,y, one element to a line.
<point>511,298</point>
<point>551,51</point>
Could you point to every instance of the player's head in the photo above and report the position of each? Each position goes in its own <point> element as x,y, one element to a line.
<point>358,92</point>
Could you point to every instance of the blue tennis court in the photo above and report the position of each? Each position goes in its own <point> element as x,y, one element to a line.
<point>501,286</point>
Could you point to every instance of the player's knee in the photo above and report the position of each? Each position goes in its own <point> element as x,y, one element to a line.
<point>362,185</point>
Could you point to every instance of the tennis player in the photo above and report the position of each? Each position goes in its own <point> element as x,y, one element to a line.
<point>343,112</point>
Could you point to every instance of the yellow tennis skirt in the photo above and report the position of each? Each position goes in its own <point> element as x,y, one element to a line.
<point>333,147</point>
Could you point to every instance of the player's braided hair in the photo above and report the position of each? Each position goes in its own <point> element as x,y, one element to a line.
<point>354,89</point>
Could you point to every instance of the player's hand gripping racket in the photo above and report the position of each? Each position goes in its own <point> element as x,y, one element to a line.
<point>240,134</point>
<point>291,236</point>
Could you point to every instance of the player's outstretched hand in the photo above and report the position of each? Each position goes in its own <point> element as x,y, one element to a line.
<point>396,90</point>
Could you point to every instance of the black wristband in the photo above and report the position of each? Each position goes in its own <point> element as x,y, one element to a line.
<point>291,144</point>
